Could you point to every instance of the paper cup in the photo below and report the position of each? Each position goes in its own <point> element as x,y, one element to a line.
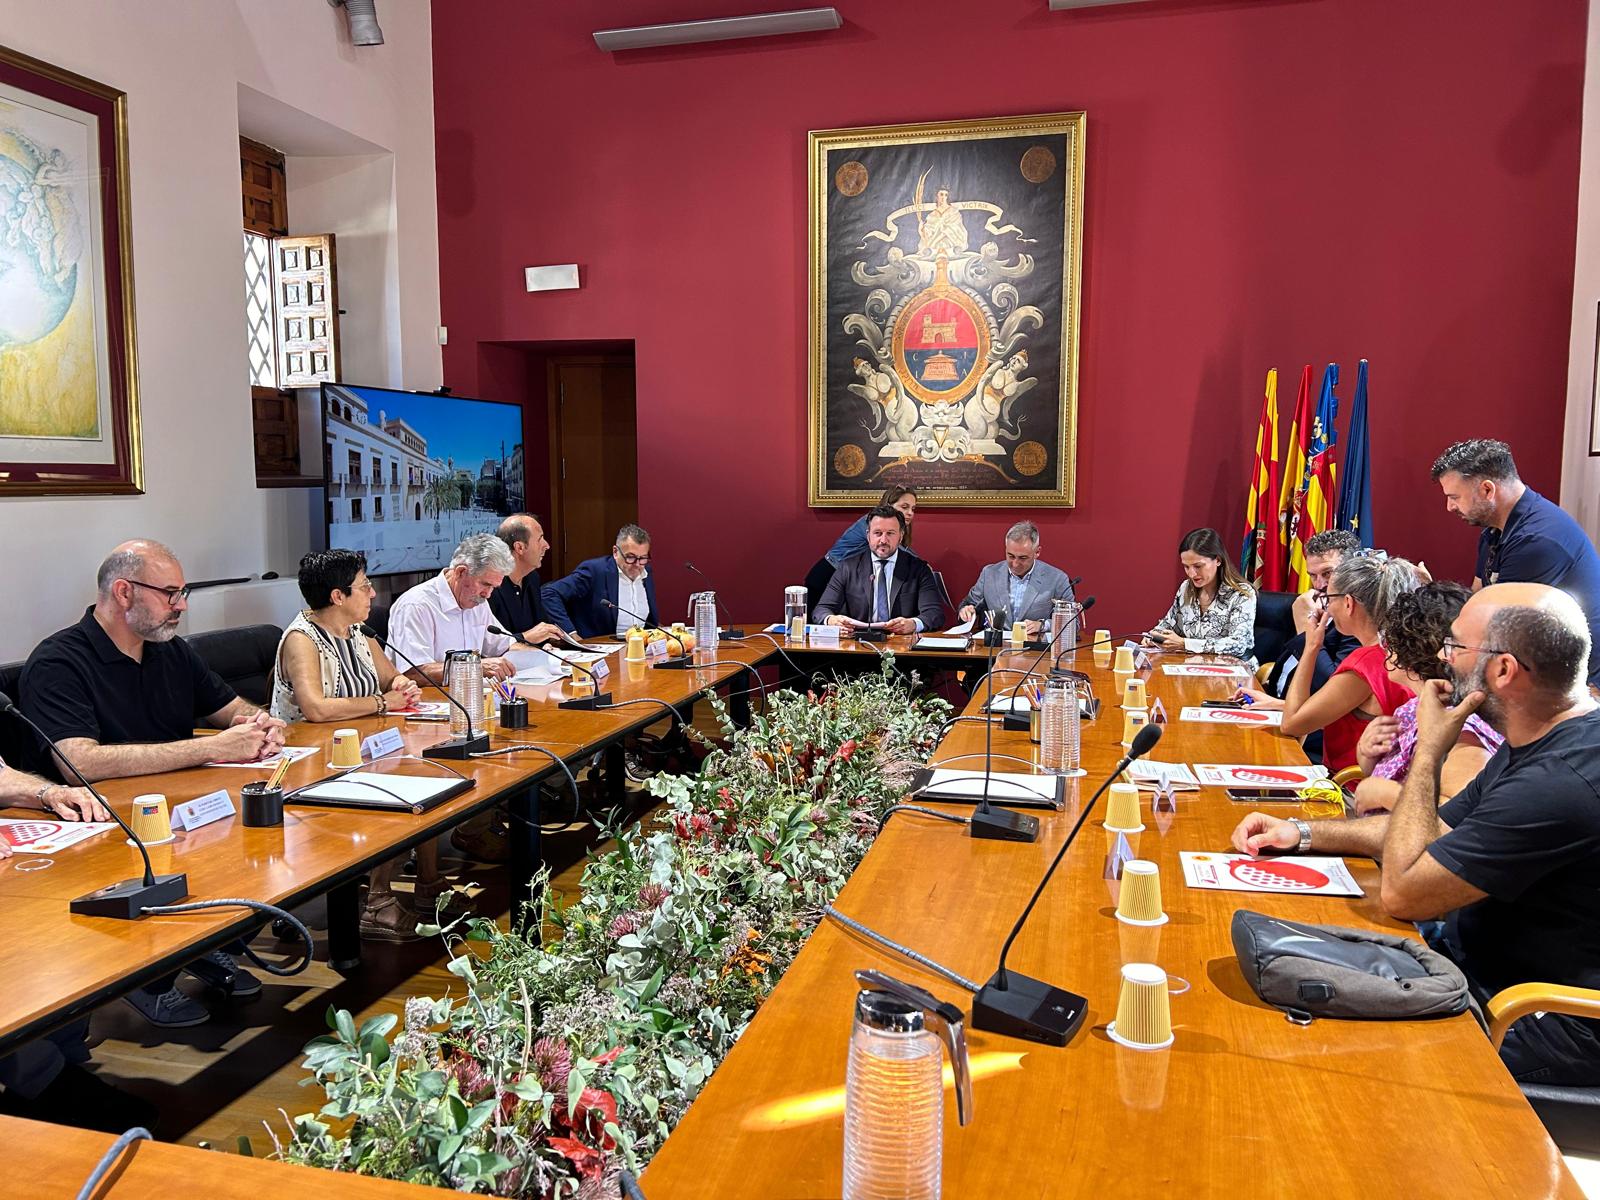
<point>151,824</point>
<point>1140,901</point>
<point>1133,720</point>
<point>1123,664</point>
<point>1144,1010</point>
<point>346,748</point>
<point>1102,648</point>
<point>1122,809</point>
<point>1133,693</point>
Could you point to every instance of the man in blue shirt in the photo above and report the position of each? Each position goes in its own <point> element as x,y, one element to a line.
<point>1526,538</point>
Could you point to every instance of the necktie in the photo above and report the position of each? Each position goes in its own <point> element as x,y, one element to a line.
<point>880,600</point>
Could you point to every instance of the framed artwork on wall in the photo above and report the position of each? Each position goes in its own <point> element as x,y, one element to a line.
<point>945,264</point>
<point>1594,392</point>
<point>69,393</point>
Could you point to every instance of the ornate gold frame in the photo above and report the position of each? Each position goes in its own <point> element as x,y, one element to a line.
<point>127,474</point>
<point>819,143</point>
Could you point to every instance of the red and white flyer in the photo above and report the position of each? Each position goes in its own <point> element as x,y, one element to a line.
<point>1207,670</point>
<point>1257,775</point>
<point>1269,718</point>
<point>1241,873</point>
<point>47,835</point>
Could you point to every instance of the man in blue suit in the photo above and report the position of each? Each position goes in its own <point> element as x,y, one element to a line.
<point>606,595</point>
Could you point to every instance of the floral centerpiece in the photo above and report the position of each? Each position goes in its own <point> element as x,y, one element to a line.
<point>571,1055</point>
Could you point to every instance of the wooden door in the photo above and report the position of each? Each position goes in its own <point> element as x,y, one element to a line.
<point>594,458</point>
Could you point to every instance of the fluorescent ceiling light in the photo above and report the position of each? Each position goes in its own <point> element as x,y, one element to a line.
<point>722,29</point>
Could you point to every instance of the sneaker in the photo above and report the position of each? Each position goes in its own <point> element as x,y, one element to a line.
<point>387,919</point>
<point>636,765</point>
<point>170,1010</point>
<point>219,972</point>
<point>80,1098</point>
<point>482,845</point>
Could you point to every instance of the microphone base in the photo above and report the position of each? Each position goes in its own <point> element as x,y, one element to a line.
<point>1029,1009</point>
<point>457,748</point>
<point>682,663</point>
<point>872,635</point>
<point>1015,723</point>
<point>1003,825</point>
<point>125,901</point>
<point>599,700</point>
<point>731,635</point>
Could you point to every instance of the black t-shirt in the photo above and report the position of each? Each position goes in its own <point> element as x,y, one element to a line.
<point>1527,832</point>
<point>77,684</point>
<point>516,607</point>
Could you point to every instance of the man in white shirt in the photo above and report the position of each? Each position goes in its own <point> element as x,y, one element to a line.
<point>451,612</point>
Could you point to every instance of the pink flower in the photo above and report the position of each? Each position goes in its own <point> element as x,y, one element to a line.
<point>623,923</point>
<point>699,823</point>
<point>653,895</point>
<point>552,1063</point>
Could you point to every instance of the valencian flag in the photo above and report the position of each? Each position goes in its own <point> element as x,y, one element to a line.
<point>1291,496</point>
<point>1355,500</point>
<point>1262,555</point>
<point>1318,493</point>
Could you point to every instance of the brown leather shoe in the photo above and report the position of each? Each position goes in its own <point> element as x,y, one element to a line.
<point>387,918</point>
<point>482,845</point>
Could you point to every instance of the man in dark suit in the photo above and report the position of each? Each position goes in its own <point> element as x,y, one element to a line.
<point>885,585</point>
<point>516,603</point>
<point>606,595</point>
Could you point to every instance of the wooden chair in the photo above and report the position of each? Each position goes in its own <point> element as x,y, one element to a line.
<point>1570,1114</point>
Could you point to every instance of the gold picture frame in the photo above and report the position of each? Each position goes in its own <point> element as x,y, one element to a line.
<point>69,377</point>
<point>945,273</point>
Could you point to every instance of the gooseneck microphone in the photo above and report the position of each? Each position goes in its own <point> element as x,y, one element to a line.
<point>682,663</point>
<point>999,824</point>
<point>126,901</point>
<point>730,633</point>
<point>460,747</point>
<point>1017,1005</point>
<point>598,700</point>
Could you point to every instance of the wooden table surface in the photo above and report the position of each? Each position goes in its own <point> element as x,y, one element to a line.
<point>1243,1104</point>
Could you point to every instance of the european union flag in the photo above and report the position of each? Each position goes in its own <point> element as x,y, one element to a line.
<point>1355,499</point>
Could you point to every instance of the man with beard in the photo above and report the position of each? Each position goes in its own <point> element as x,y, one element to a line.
<point>1525,538</point>
<point>1509,865</point>
<point>121,693</point>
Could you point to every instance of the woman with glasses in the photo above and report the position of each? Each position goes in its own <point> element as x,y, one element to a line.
<point>328,671</point>
<point>1214,611</point>
<point>1362,590</point>
<point>1415,637</point>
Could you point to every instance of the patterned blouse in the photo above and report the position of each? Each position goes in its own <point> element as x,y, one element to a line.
<point>1227,627</point>
<point>346,664</point>
<point>1397,762</point>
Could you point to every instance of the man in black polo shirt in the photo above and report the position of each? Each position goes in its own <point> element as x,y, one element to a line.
<point>515,603</point>
<point>1511,863</point>
<point>121,694</point>
<point>1525,538</point>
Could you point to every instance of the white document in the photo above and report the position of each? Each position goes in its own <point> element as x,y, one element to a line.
<point>381,789</point>
<point>1021,704</point>
<point>46,835</point>
<point>1149,775</point>
<point>940,643</point>
<point>961,785</point>
<point>1290,874</point>
<point>1257,775</point>
<point>964,628</point>
<point>293,753</point>
<point>1249,718</point>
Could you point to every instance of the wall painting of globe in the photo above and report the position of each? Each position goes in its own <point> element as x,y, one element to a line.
<point>69,407</point>
<point>945,268</point>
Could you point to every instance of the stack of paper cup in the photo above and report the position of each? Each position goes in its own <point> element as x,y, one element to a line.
<point>151,824</point>
<point>1124,661</point>
<point>1140,901</point>
<point>1102,648</point>
<point>1144,1011</point>
<point>1122,809</point>
<point>1133,693</point>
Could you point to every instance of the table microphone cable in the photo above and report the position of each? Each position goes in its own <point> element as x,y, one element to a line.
<point>921,960</point>
<point>272,911</point>
<point>108,1160</point>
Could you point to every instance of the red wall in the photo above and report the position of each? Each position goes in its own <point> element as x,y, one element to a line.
<point>1269,182</point>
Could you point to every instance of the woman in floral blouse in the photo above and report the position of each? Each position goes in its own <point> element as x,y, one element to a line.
<point>1214,611</point>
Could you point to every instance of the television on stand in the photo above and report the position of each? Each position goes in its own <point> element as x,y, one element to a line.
<point>412,473</point>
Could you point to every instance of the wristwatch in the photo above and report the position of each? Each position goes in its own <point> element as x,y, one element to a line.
<point>1305,834</point>
<point>38,797</point>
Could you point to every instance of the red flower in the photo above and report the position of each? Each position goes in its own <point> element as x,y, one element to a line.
<point>610,1055</point>
<point>588,1160</point>
<point>700,823</point>
<point>846,751</point>
<point>595,1109</point>
<point>725,793</point>
<point>681,828</point>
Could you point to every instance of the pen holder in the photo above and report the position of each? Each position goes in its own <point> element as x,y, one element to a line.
<point>263,804</point>
<point>514,714</point>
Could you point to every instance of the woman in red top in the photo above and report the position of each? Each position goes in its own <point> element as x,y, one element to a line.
<point>1362,589</point>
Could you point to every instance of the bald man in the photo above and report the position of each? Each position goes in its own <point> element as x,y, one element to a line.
<point>1504,874</point>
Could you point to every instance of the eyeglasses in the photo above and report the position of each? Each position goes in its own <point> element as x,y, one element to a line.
<point>173,594</point>
<point>1450,646</point>
<point>1326,596</point>
<point>633,560</point>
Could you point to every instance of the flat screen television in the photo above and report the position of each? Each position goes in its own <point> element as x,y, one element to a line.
<point>410,474</point>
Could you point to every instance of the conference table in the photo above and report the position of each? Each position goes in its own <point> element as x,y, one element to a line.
<point>1244,1102</point>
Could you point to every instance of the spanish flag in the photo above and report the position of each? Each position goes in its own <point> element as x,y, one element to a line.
<point>1291,497</point>
<point>1262,556</point>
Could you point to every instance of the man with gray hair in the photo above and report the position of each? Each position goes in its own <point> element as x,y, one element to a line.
<point>451,612</point>
<point>1525,538</point>
<point>1509,865</point>
<point>1021,587</point>
<point>606,595</point>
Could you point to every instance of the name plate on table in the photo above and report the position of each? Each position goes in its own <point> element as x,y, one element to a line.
<point>385,741</point>
<point>203,810</point>
<point>825,635</point>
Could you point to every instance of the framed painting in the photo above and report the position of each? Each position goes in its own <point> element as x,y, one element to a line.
<point>69,394</point>
<point>945,263</point>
